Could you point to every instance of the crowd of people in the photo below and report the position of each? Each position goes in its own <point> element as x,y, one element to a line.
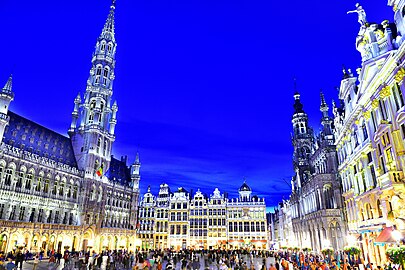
<point>220,259</point>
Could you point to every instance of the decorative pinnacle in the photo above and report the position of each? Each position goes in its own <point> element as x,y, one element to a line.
<point>295,86</point>
<point>8,87</point>
<point>78,99</point>
<point>137,157</point>
<point>322,99</point>
<point>113,4</point>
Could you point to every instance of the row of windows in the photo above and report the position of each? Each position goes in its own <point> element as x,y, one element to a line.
<point>178,229</point>
<point>246,227</point>
<point>179,216</point>
<point>22,213</point>
<point>179,206</point>
<point>26,182</point>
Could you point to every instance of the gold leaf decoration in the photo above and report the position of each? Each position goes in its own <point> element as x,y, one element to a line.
<point>367,115</point>
<point>400,75</point>
<point>374,104</point>
<point>385,92</point>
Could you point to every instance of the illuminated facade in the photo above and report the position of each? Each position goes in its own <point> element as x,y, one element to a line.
<point>146,220</point>
<point>185,221</point>
<point>370,132</point>
<point>179,235</point>
<point>217,219</point>
<point>247,226</point>
<point>59,192</point>
<point>198,221</point>
<point>315,202</point>
<point>162,217</point>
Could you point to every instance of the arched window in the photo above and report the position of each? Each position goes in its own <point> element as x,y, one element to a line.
<point>98,72</point>
<point>109,48</point>
<point>102,48</point>
<point>7,180</point>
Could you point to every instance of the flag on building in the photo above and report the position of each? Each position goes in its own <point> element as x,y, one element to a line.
<point>99,172</point>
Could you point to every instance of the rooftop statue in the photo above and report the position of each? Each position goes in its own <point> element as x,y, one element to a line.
<point>361,13</point>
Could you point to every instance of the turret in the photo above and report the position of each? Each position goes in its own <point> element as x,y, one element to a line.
<point>135,174</point>
<point>302,141</point>
<point>6,96</point>
<point>326,121</point>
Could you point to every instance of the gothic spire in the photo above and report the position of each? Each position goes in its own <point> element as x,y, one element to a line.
<point>324,106</point>
<point>108,32</point>
<point>297,104</point>
<point>8,87</point>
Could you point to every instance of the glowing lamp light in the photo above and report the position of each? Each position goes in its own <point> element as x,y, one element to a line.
<point>397,235</point>
<point>351,240</point>
<point>90,243</point>
<point>138,242</point>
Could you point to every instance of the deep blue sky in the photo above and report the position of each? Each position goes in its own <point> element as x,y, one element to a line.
<point>204,87</point>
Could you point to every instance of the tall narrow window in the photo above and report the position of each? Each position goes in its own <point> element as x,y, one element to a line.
<point>22,213</point>
<point>383,109</point>
<point>48,220</point>
<point>105,147</point>
<point>365,134</point>
<point>7,180</point>
<point>373,120</point>
<point>38,187</point>
<point>46,186</point>
<point>40,215</point>
<point>20,179</point>
<point>28,181</point>
<point>12,212</point>
<point>56,219</point>
<point>98,145</point>
<point>400,95</point>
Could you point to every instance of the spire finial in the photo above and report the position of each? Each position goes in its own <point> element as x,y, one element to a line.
<point>108,29</point>
<point>295,85</point>
<point>8,87</point>
<point>137,157</point>
<point>322,99</point>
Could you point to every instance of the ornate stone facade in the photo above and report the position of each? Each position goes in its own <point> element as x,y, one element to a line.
<point>58,192</point>
<point>370,132</point>
<point>315,202</point>
<point>199,221</point>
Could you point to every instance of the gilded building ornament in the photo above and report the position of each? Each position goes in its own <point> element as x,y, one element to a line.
<point>399,76</point>
<point>367,115</point>
<point>385,91</point>
<point>374,104</point>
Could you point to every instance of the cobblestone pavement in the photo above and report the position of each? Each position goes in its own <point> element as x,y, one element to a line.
<point>44,265</point>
